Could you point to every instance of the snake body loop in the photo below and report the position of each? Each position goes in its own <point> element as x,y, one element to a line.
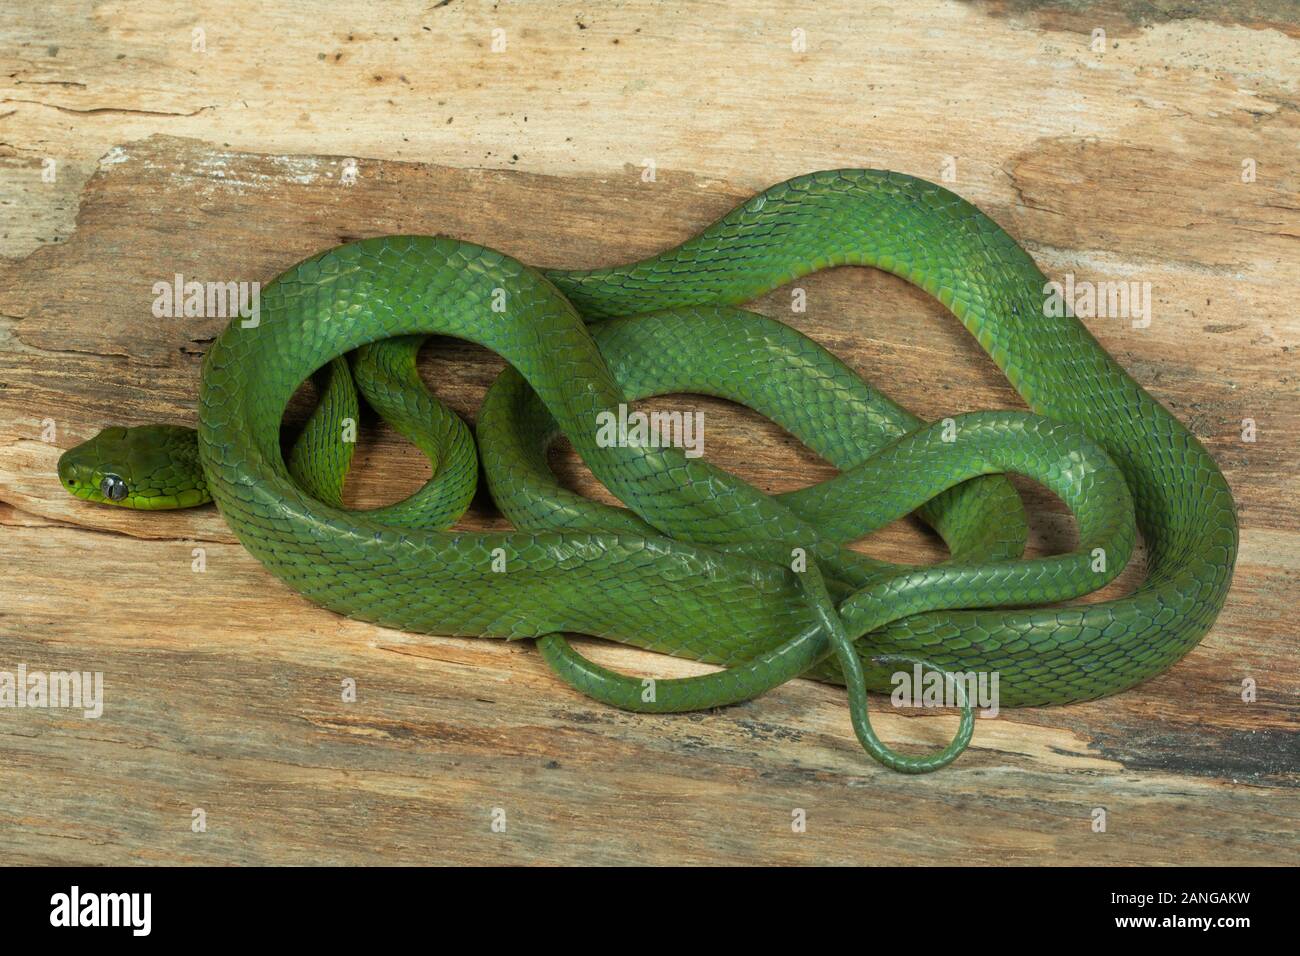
<point>702,564</point>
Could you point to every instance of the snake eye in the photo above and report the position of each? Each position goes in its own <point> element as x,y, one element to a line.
<point>113,488</point>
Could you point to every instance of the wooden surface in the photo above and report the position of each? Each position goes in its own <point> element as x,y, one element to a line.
<point>223,690</point>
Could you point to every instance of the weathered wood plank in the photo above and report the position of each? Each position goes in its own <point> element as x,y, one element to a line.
<point>223,689</point>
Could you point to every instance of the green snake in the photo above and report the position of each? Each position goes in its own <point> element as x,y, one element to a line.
<point>700,563</point>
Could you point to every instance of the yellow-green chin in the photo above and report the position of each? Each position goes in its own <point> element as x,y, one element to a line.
<point>190,498</point>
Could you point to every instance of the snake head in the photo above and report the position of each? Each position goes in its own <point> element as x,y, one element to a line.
<point>148,468</point>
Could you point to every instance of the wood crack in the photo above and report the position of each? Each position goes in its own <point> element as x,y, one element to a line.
<point>106,110</point>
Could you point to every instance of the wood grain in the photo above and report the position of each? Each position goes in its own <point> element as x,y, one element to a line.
<point>223,690</point>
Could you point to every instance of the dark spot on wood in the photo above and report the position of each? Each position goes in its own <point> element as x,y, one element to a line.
<point>1130,17</point>
<point>1265,756</point>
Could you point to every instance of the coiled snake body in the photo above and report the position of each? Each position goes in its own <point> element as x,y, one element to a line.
<point>702,564</point>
